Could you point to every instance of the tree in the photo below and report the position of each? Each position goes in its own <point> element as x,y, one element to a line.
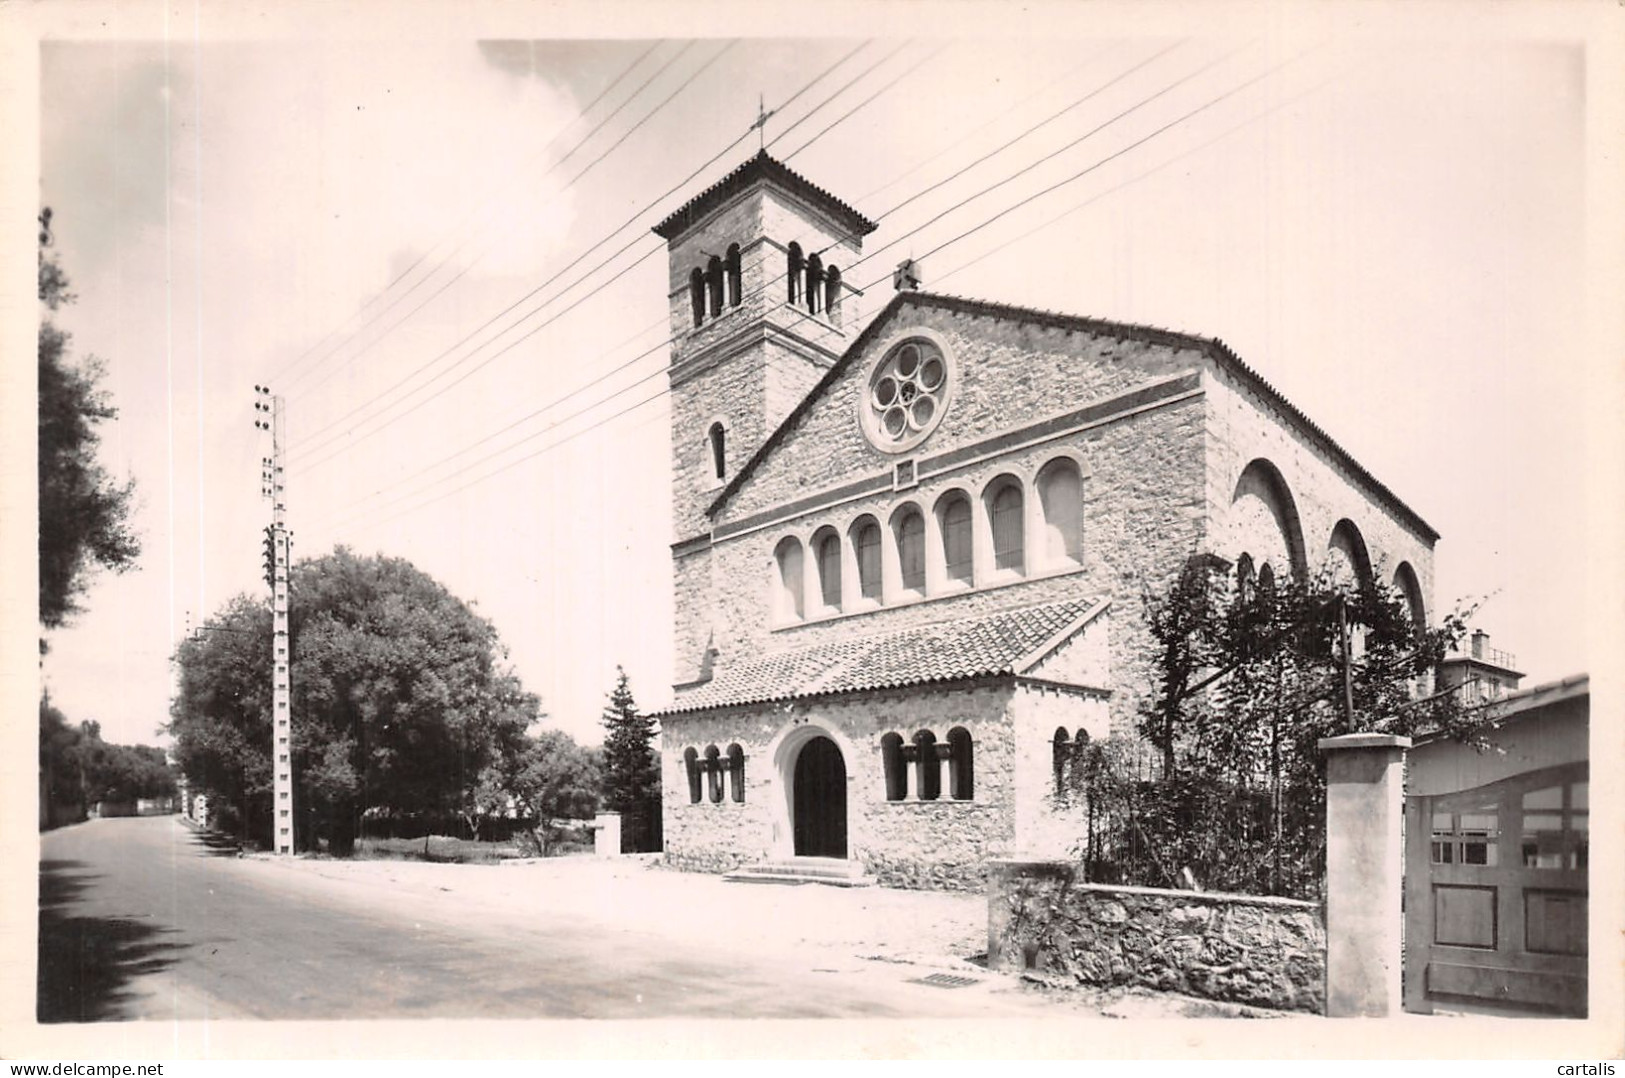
<point>631,766</point>
<point>552,778</point>
<point>1250,676</point>
<point>83,513</point>
<point>78,768</point>
<point>400,701</point>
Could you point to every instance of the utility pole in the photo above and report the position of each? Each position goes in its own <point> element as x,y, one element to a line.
<point>269,417</point>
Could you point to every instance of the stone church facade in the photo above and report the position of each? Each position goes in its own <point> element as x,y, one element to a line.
<point>910,553</point>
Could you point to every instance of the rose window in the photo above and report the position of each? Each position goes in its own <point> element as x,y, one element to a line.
<point>908,393</point>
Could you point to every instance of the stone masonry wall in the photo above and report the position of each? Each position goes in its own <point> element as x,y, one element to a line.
<point>937,845</point>
<point>1009,372</point>
<point>1142,500</point>
<point>1243,428</point>
<point>1048,825</point>
<point>1265,952</point>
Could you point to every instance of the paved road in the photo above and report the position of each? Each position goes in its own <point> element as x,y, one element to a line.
<point>143,919</point>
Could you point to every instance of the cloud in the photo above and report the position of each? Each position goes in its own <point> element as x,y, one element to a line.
<point>329,167</point>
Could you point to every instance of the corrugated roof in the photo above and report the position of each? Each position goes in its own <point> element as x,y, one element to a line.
<point>1008,642</point>
<point>762,167</point>
<point>1215,349</point>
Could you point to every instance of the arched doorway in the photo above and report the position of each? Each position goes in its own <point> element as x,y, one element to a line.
<point>818,805</point>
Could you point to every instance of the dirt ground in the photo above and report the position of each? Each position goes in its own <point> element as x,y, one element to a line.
<point>849,927</point>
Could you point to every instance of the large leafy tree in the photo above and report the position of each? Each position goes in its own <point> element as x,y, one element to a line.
<point>83,512</point>
<point>78,768</point>
<point>547,778</point>
<point>400,700</point>
<point>1251,674</point>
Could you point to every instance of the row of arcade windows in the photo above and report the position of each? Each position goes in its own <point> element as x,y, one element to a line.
<point>718,284</point>
<point>933,765</point>
<point>715,775</point>
<point>963,543</point>
<point>812,284</point>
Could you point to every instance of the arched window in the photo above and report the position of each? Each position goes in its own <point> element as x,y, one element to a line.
<point>1263,517</point>
<point>1347,557</point>
<point>736,772</point>
<point>713,773</point>
<point>891,760</point>
<point>713,281</point>
<point>1266,583</point>
<point>827,549</point>
<point>794,275</point>
<point>961,773</point>
<point>719,450</point>
<point>832,294</point>
<point>696,294</point>
<point>1004,509</point>
<point>815,283</point>
<point>953,518</point>
<point>928,771</point>
<point>1060,753</point>
<point>866,546</point>
<point>788,557</point>
<point>910,528</point>
<point>1410,589</point>
<point>691,764</point>
<point>730,268</point>
<point>1060,499</point>
<point>1246,578</point>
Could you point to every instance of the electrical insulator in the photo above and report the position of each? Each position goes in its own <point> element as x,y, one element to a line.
<point>270,556</point>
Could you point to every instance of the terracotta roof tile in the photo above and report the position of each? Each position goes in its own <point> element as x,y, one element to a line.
<point>762,167</point>
<point>984,646</point>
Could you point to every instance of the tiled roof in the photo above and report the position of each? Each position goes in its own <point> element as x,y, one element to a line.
<point>1221,354</point>
<point>1008,642</point>
<point>762,167</point>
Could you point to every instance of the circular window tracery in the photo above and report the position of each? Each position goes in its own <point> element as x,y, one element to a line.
<point>908,392</point>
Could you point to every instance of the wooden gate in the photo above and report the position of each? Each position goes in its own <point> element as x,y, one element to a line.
<point>1496,896</point>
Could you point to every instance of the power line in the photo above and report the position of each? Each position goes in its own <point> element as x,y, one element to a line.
<point>319,442</point>
<point>599,423</point>
<point>1278,106</point>
<point>569,183</point>
<point>286,373</point>
<point>1018,137</point>
<point>634,218</point>
<point>663,344</point>
<point>966,136</point>
<point>846,86</point>
<point>1124,114</point>
<point>933,54</point>
<point>1035,128</point>
<point>1119,153</point>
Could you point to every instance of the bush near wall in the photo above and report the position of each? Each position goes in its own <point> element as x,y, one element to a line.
<point>1255,950</point>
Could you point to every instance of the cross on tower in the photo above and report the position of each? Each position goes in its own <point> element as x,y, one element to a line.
<point>761,122</point>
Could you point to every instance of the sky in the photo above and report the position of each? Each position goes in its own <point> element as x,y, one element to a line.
<point>1388,220</point>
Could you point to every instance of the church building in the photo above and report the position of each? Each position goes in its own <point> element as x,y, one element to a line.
<point>910,551</point>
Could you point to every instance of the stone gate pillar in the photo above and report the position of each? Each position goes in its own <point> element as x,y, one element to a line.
<point>1365,806</point>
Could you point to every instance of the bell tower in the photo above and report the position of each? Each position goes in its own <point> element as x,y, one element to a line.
<point>759,311</point>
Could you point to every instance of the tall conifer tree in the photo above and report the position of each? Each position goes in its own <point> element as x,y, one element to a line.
<point>631,767</point>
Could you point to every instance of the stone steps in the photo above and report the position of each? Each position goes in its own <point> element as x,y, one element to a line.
<point>831,871</point>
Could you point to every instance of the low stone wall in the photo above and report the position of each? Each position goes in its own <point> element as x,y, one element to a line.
<point>1266,952</point>
<point>705,860</point>
<point>917,875</point>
